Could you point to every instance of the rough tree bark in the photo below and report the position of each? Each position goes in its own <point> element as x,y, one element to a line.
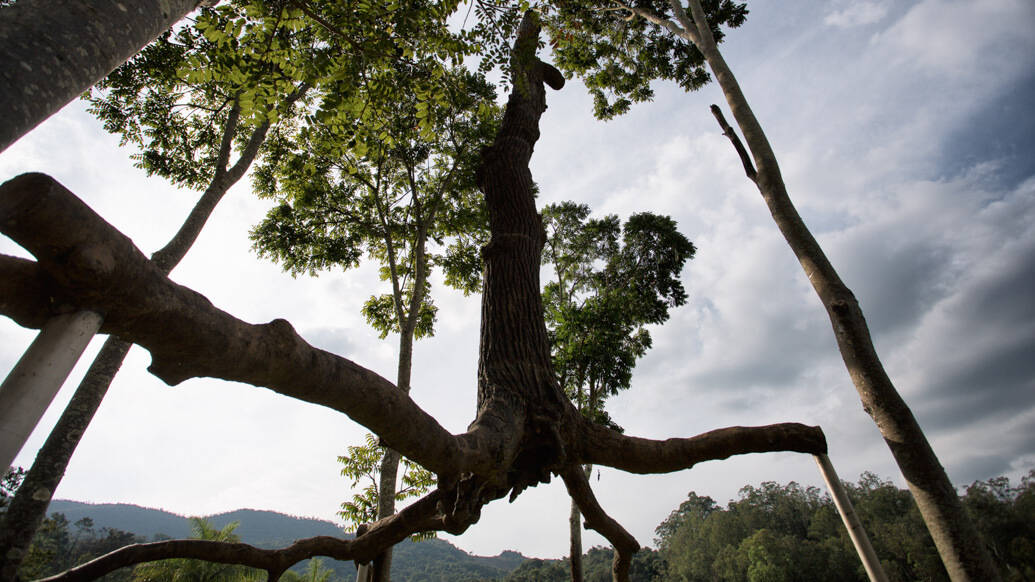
<point>29,505</point>
<point>54,51</point>
<point>525,430</point>
<point>956,538</point>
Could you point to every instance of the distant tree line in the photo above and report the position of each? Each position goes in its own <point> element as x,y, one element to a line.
<point>779,533</point>
<point>784,533</point>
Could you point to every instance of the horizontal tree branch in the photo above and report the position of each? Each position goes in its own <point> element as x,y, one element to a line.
<point>88,259</point>
<point>603,446</point>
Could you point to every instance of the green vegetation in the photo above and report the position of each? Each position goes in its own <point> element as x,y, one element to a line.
<point>362,464</point>
<point>183,570</point>
<point>59,545</point>
<point>790,532</point>
<point>609,282</point>
<point>647,565</point>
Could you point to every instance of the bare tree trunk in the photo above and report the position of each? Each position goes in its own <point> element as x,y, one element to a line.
<point>575,546</point>
<point>54,51</point>
<point>382,566</point>
<point>956,538</point>
<point>575,535</point>
<point>29,505</point>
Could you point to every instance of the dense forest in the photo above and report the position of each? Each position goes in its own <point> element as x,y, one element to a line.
<point>770,533</point>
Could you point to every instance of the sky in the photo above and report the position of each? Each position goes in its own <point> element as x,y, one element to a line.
<point>906,138</point>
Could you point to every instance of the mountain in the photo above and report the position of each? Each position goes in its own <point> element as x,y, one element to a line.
<point>429,561</point>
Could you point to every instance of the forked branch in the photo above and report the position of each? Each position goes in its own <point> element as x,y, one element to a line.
<point>87,263</point>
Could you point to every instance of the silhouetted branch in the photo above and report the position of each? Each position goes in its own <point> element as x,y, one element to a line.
<point>188,337</point>
<point>603,446</point>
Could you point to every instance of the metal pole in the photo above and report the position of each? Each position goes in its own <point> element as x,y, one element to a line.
<point>855,529</point>
<point>36,378</point>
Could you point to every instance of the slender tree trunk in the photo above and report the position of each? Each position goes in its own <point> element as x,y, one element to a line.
<point>381,572</point>
<point>29,505</point>
<point>956,538</point>
<point>54,51</point>
<point>575,534</point>
<point>575,545</point>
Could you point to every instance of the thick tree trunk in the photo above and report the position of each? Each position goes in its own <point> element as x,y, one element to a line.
<point>54,51</point>
<point>954,535</point>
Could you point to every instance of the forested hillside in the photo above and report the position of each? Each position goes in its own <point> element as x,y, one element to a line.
<point>75,532</point>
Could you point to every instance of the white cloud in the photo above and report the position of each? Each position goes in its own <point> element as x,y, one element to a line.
<point>857,14</point>
<point>980,39</point>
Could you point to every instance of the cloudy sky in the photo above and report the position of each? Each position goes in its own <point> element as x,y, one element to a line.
<point>906,136</point>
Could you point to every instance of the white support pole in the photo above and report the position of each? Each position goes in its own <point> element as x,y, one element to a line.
<point>855,529</point>
<point>35,380</point>
<point>363,573</point>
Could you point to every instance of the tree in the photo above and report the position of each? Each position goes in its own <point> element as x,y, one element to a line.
<point>393,177</point>
<point>187,127</point>
<point>618,48</point>
<point>596,310</point>
<point>363,463</point>
<point>525,430</point>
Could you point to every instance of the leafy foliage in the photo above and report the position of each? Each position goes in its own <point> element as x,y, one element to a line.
<point>616,54</point>
<point>362,464</point>
<point>386,189</point>
<point>235,66</point>
<point>9,483</point>
<point>610,282</point>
